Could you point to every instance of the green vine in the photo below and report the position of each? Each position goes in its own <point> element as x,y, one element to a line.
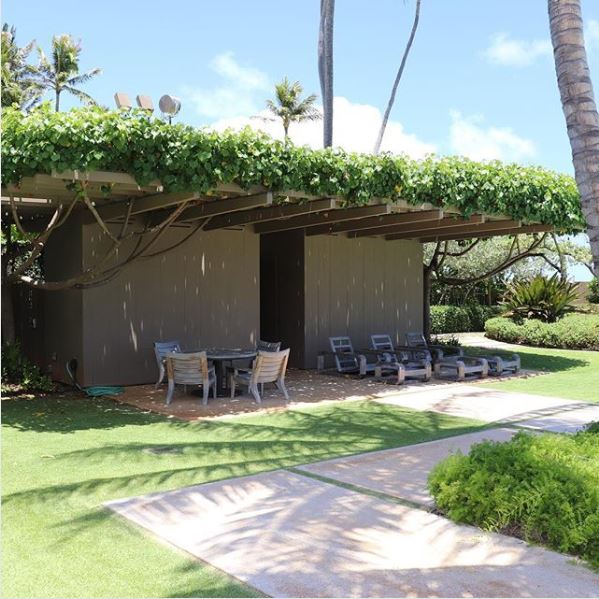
<point>185,158</point>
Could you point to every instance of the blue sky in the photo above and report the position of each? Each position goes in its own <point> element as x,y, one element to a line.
<point>480,80</point>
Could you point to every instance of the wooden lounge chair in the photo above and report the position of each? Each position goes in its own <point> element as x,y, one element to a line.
<point>268,367</point>
<point>362,362</point>
<point>161,348</point>
<point>190,369</point>
<point>415,365</point>
<point>449,360</point>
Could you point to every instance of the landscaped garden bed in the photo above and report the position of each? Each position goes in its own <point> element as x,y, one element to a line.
<point>542,488</point>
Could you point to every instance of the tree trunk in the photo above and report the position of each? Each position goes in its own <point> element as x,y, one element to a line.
<point>580,110</point>
<point>426,302</point>
<point>325,67</point>
<point>57,102</point>
<point>379,140</point>
<point>8,314</point>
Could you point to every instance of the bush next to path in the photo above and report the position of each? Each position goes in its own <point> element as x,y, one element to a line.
<point>542,488</point>
<point>460,319</point>
<point>574,331</point>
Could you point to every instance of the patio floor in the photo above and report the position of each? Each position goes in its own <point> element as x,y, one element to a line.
<point>305,387</point>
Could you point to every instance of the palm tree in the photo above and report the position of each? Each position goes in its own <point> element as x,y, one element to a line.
<point>18,84</point>
<point>580,110</point>
<point>290,107</point>
<point>325,67</point>
<point>379,140</point>
<point>61,72</point>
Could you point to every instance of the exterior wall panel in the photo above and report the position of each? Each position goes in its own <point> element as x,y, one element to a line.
<point>358,287</point>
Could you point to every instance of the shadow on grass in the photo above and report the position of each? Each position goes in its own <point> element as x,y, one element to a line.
<point>534,361</point>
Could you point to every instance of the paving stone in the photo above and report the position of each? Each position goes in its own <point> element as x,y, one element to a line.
<point>291,536</point>
<point>570,421</point>
<point>401,472</point>
<point>479,403</point>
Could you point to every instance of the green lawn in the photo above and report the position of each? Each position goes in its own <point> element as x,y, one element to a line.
<point>572,374</point>
<point>63,457</point>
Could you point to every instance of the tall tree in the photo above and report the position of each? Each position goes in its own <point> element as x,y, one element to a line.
<point>325,67</point>
<point>18,84</point>
<point>290,107</point>
<point>60,72</point>
<point>379,139</point>
<point>580,110</point>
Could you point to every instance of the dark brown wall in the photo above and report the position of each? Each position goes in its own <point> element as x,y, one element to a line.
<point>359,287</point>
<point>282,291</point>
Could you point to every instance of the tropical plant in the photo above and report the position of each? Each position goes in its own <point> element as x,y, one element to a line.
<point>593,294</point>
<point>60,73</point>
<point>325,67</point>
<point>580,111</point>
<point>289,105</point>
<point>543,298</point>
<point>18,84</point>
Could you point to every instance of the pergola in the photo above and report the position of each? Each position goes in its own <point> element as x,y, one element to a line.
<point>117,196</point>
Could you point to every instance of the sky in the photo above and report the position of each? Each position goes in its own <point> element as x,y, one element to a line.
<point>480,80</point>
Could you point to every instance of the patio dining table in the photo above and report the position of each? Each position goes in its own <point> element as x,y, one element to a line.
<point>220,356</point>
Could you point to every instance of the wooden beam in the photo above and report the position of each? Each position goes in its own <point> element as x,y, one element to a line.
<point>481,233</point>
<point>447,225</point>
<point>403,218</point>
<point>331,216</point>
<point>218,207</point>
<point>146,203</point>
<point>247,217</point>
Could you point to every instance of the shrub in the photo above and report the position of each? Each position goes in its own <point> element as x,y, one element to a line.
<point>593,294</point>
<point>460,319</point>
<point>574,331</point>
<point>18,370</point>
<point>543,488</point>
<point>541,297</point>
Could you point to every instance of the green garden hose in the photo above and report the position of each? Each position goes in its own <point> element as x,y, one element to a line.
<point>99,391</point>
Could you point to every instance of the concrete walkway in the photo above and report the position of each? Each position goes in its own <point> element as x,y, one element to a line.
<point>291,536</point>
<point>361,526</point>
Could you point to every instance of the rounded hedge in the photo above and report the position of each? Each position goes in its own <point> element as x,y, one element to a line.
<point>461,319</point>
<point>573,331</point>
<point>543,488</point>
<point>186,158</point>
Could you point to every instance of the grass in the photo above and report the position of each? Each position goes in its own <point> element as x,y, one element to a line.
<point>571,374</point>
<point>62,457</point>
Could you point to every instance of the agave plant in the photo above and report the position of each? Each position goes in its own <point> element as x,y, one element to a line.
<point>540,297</point>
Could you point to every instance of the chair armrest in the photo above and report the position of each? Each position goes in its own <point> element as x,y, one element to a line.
<point>447,350</point>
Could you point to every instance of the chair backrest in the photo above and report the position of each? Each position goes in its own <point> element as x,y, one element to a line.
<point>269,366</point>
<point>416,339</point>
<point>187,369</point>
<point>384,344</point>
<point>268,345</point>
<point>341,346</point>
<point>161,348</point>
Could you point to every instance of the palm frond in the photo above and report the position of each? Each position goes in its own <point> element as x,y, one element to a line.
<point>84,77</point>
<point>86,98</point>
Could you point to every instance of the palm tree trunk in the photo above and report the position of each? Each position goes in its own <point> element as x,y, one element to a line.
<point>379,139</point>
<point>57,102</point>
<point>325,67</point>
<point>580,110</point>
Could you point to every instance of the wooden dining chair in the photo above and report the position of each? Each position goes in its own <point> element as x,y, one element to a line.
<point>190,369</point>
<point>268,367</point>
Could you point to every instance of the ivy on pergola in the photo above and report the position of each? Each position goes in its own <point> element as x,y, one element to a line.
<point>187,159</point>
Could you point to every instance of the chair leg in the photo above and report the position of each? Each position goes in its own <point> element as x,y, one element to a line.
<point>255,393</point>
<point>280,383</point>
<point>160,376</point>
<point>205,391</point>
<point>169,393</point>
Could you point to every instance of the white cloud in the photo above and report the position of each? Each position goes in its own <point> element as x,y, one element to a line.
<point>469,137</point>
<point>591,34</point>
<point>355,127</point>
<point>516,53</point>
<point>241,92</point>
